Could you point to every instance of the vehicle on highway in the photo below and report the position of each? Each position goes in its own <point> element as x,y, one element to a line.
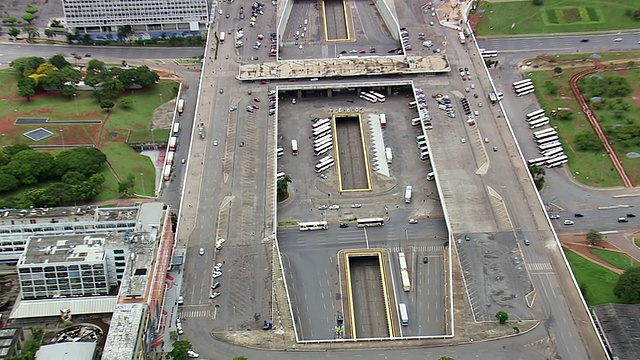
<point>87,55</point>
<point>617,39</point>
<point>467,238</point>
<point>413,221</point>
<point>215,285</point>
<point>323,207</point>
<point>476,113</point>
<point>631,215</point>
<point>215,142</point>
<point>353,51</point>
<point>241,143</point>
<point>334,207</point>
<point>578,215</point>
<point>214,295</point>
<point>201,252</point>
<point>554,216</point>
<point>180,300</point>
<point>486,140</point>
<point>526,242</point>
<point>622,220</point>
<point>584,40</point>
<point>219,243</point>
<point>356,206</point>
<point>344,225</point>
<point>182,161</point>
<point>192,354</point>
<point>568,222</point>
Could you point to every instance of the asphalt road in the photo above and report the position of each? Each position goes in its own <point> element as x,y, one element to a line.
<point>564,43</point>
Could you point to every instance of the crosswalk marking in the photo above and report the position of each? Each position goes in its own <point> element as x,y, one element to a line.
<point>423,248</point>
<point>539,266</point>
<point>183,314</point>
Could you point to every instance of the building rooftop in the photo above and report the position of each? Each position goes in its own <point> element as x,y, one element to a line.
<point>621,326</point>
<point>24,309</point>
<point>67,214</point>
<point>66,248</point>
<point>67,351</point>
<point>123,331</point>
<point>345,66</point>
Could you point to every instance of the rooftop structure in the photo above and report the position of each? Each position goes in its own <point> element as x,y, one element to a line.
<point>67,351</point>
<point>620,326</point>
<point>124,340</point>
<point>10,342</point>
<point>141,15</point>
<point>345,66</point>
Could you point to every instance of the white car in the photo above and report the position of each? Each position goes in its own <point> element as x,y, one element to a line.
<point>554,216</point>
<point>180,300</point>
<point>463,140</point>
<point>216,274</point>
<point>334,207</point>
<point>413,221</point>
<point>323,207</point>
<point>293,101</point>
<point>356,206</point>
<point>215,142</point>
<point>476,113</point>
<point>233,108</point>
<point>192,354</point>
<point>617,39</point>
<point>219,243</point>
<point>201,252</point>
<point>214,295</point>
<point>218,267</point>
<point>568,222</point>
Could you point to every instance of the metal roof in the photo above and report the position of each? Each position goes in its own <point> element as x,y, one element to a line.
<point>67,351</point>
<point>51,307</point>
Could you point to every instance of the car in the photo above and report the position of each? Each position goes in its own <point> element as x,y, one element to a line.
<point>372,50</point>
<point>431,23</point>
<point>353,51</point>
<point>215,285</point>
<point>479,104</point>
<point>495,148</point>
<point>179,330</point>
<point>219,243</point>
<point>578,215</point>
<point>344,225</point>
<point>425,259</point>
<point>323,176</point>
<point>486,140</point>
<point>256,99</point>
<point>221,91</point>
<point>192,354</point>
<point>526,242</point>
<point>268,324</point>
<point>466,70</point>
<point>554,216</point>
<point>467,238</point>
<point>476,113</point>
<point>413,221</point>
<point>617,39</point>
<point>233,108</point>
<point>216,274</point>
<point>255,106</point>
<point>180,300</point>
<point>217,266</point>
<point>323,207</point>
<point>334,207</point>
<point>584,40</point>
<point>249,109</point>
<point>568,222</point>
<point>182,161</point>
<point>461,71</point>
<point>294,101</point>
<point>622,220</point>
<point>463,140</point>
<point>201,252</point>
<point>363,51</point>
<point>631,215</point>
<point>215,142</point>
<point>214,294</point>
<point>343,52</point>
<point>241,144</point>
<point>356,206</point>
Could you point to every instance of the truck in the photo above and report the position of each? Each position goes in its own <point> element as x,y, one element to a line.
<point>166,173</point>
<point>180,106</point>
<point>222,34</point>
<point>461,37</point>
<point>389,155</point>
<point>172,143</point>
<point>495,97</point>
<point>170,156</point>
<point>294,147</point>
<point>407,194</point>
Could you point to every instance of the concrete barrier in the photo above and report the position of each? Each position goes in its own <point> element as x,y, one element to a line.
<point>388,18</point>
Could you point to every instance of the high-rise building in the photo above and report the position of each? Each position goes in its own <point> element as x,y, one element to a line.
<point>105,16</point>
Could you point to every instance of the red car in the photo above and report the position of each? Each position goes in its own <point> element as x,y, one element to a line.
<point>255,106</point>
<point>363,51</point>
<point>464,78</point>
<point>292,80</point>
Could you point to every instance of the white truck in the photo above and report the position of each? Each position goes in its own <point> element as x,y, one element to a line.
<point>407,194</point>
<point>389,155</point>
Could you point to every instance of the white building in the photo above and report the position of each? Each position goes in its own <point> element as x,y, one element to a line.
<point>104,16</point>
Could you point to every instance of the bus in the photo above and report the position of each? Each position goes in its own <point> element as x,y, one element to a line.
<point>402,261</point>
<point>543,132</point>
<point>322,129</point>
<point>378,96</point>
<point>535,114</point>
<point>557,163</point>
<point>528,91</point>
<point>547,139</point>
<point>549,145</point>
<point>368,222</point>
<point>538,161</point>
<point>368,97</point>
<point>325,159</point>
<point>538,123</point>
<point>280,175</point>
<point>554,152</point>
<point>488,53</point>
<point>545,118</point>
<point>461,37</point>
<point>321,141</point>
<point>524,88</point>
<point>280,152</point>
<point>180,106</point>
<point>173,141</point>
<point>406,284</point>
<point>294,147</point>
<point>313,225</point>
<point>322,166</point>
<point>323,149</point>
<point>407,194</point>
<point>522,82</point>
<point>412,105</point>
<point>319,123</point>
<point>175,129</point>
<point>383,120</point>
<point>404,317</point>
<point>222,35</point>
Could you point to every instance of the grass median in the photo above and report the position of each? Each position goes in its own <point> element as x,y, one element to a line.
<point>596,282</point>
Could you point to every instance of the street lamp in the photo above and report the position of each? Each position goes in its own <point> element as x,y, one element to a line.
<point>75,102</point>
<point>602,167</point>
<point>142,181</point>
<point>62,135</point>
<point>161,102</point>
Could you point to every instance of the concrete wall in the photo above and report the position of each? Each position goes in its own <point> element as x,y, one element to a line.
<point>388,18</point>
<point>284,11</point>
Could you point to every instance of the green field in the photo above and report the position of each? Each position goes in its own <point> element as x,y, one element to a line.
<point>637,241</point>
<point>598,281</point>
<point>555,16</point>
<point>131,162</point>
<point>621,261</point>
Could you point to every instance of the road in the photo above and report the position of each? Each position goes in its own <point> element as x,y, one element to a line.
<point>564,43</point>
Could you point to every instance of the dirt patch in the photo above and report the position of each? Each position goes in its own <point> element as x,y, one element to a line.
<point>579,245</point>
<point>163,116</point>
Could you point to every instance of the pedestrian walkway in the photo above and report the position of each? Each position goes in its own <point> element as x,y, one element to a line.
<point>534,267</point>
<point>185,314</point>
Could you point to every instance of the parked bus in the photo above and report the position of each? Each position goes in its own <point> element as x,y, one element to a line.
<point>280,175</point>
<point>406,283</point>
<point>323,150</point>
<point>313,225</point>
<point>320,167</point>
<point>180,106</point>
<point>537,161</point>
<point>540,118</point>
<point>461,37</point>
<point>538,123</point>
<point>549,145</point>
<point>412,105</point>
<point>294,147</point>
<point>367,222</point>
<point>325,159</point>
<point>280,152</point>
<point>378,96</point>
<point>522,82</point>
<point>404,317</point>
<point>166,172</point>
<point>551,153</point>
<point>407,194</point>
<point>175,129</point>
<point>557,163</point>
<point>489,53</point>
<point>522,86</point>
<point>170,156</point>
<point>321,130</point>
<point>368,97</point>
<point>402,261</point>
<point>529,90</point>
<point>547,139</point>
<point>222,35</point>
<point>319,123</point>
<point>383,120</point>
<point>389,155</point>
<point>323,140</point>
<point>535,114</point>
<point>543,132</point>
<point>173,141</point>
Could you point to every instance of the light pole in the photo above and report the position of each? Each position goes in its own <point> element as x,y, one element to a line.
<point>602,167</point>
<point>75,102</point>
<point>161,102</point>
<point>62,135</point>
<point>142,181</point>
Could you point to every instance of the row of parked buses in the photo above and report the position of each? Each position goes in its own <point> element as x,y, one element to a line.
<point>372,96</point>
<point>523,87</point>
<point>547,140</point>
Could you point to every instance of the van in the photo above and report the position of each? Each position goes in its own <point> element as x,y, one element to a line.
<point>431,176</point>
<point>442,107</point>
<point>415,122</point>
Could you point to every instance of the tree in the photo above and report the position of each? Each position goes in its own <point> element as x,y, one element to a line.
<point>628,287</point>
<point>30,166</point>
<point>111,88</point>
<point>73,178</point>
<point>27,88</point>
<point>282,186</point>
<point>59,61</point>
<point>86,161</point>
<point>557,70</point>
<point>594,237</point>
<point>538,2</point>
<point>502,316</point>
<point>126,186</point>
<point>49,33</point>
<point>107,104</point>
<point>126,102</point>
<point>27,65</point>
<point>239,358</point>
<point>28,18</point>
<point>68,90</point>
<point>14,149</point>
<point>13,32</point>
<point>537,173</point>
<point>30,9</point>
<point>587,140</point>
<point>179,351</point>
<point>124,32</point>
<point>8,182</point>
<point>31,31</point>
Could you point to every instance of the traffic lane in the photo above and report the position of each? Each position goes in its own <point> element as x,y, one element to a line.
<point>425,301</point>
<point>595,43</point>
<point>600,222</point>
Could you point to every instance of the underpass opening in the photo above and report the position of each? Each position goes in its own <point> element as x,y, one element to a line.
<point>335,20</point>
<point>350,149</point>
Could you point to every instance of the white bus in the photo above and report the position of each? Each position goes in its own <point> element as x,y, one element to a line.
<point>557,163</point>
<point>549,145</point>
<point>404,317</point>
<point>323,134</point>
<point>323,140</point>
<point>319,123</point>
<point>325,159</point>
<point>544,132</point>
<point>520,87</point>
<point>461,37</point>
<point>294,147</point>
<point>378,96</point>
<point>557,159</point>
<point>529,90</point>
<point>383,120</point>
<point>547,139</point>
<point>402,261</point>
<point>551,153</point>
<point>538,161</point>
<point>280,152</point>
<point>320,167</point>
<point>323,150</point>
<point>406,283</point>
<point>176,128</point>
<point>538,123</point>
<point>313,225</point>
<point>489,53</point>
<point>524,88</point>
<point>367,222</point>
<point>321,130</point>
<point>522,82</point>
<point>407,194</point>
<point>535,114</point>
<point>368,97</point>
<point>540,118</point>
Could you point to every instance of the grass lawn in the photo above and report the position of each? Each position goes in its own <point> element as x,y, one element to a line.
<point>109,188</point>
<point>621,261</point>
<point>556,16</point>
<point>127,161</point>
<point>637,241</point>
<point>8,79</point>
<point>145,103</point>
<point>598,281</point>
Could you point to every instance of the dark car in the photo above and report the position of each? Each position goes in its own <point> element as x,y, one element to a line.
<point>425,259</point>
<point>467,238</point>
<point>268,324</point>
<point>344,225</point>
<point>631,215</point>
<point>578,215</point>
<point>584,40</point>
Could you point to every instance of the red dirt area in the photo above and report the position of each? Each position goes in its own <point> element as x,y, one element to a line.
<point>636,97</point>
<point>580,245</point>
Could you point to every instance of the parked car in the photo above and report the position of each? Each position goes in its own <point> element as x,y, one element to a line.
<point>334,207</point>
<point>201,252</point>
<point>413,221</point>
<point>192,354</point>
<point>180,300</point>
<point>356,206</point>
<point>215,294</point>
<point>323,207</point>
<point>344,225</point>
